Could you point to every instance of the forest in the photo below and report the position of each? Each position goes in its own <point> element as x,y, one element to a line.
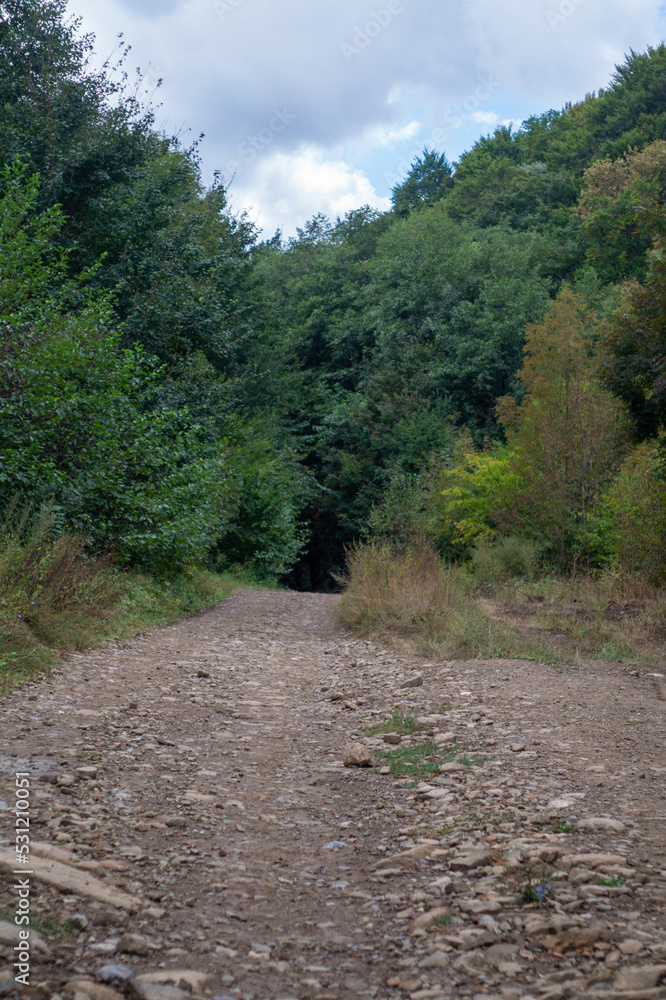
<point>476,377</point>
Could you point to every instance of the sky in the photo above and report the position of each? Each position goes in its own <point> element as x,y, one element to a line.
<point>321,105</point>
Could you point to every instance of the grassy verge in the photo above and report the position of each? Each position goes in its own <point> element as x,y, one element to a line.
<point>410,599</point>
<point>54,599</point>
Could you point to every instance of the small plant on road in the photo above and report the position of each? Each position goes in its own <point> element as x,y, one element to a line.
<point>537,890</point>
<point>417,761</point>
<point>395,723</point>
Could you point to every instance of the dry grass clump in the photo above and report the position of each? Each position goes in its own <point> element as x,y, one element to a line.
<point>588,618</point>
<point>408,596</point>
<point>406,593</point>
<point>55,597</point>
<point>52,595</point>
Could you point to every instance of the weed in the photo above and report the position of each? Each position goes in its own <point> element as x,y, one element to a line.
<point>416,761</point>
<point>442,920</point>
<point>537,894</point>
<point>396,723</point>
<point>537,891</point>
<point>563,827</point>
<point>475,760</point>
<point>47,925</point>
<point>498,818</point>
<point>616,880</point>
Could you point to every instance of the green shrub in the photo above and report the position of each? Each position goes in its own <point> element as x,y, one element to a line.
<point>494,563</point>
<point>629,528</point>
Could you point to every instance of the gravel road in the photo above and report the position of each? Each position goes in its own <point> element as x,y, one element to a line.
<point>194,830</point>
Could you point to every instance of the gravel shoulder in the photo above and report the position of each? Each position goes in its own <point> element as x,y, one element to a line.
<point>195,832</point>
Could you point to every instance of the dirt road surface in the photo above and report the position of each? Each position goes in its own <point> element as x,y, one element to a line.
<point>195,831</point>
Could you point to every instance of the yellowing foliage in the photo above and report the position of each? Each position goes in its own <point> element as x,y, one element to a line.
<point>477,491</point>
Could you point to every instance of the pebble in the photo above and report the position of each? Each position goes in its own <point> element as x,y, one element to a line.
<point>133,944</point>
<point>114,974</point>
<point>601,824</point>
<point>641,977</point>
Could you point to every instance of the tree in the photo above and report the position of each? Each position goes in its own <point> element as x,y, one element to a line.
<point>617,206</point>
<point>82,131</point>
<point>565,435</point>
<point>82,424</point>
<point>428,180</point>
<point>634,360</point>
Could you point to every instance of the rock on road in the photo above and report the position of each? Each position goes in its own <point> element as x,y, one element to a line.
<point>195,832</point>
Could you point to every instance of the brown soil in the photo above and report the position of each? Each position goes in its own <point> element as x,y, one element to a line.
<point>257,859</point>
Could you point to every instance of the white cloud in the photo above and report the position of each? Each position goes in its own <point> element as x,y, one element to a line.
<point>382,135</point>
<point>485,118</point>
<point>285,190</point>
<point>442,63</point>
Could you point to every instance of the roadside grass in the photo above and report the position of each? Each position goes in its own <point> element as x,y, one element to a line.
<point>55,598</point>
<point>409,598</point>
<point>615,881</point>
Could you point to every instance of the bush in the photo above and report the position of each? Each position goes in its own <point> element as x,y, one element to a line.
<point>629,530</point>
<point>405,509</point>
<point>475,492</point>
<point>408,593</point>
<point>80,418</point>
<point>508,558</point>
<point>265,490</point>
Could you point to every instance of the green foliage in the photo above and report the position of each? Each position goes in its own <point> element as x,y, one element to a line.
<point>566,434</point>
<point>636,341</point>
<point>477,490</point>
<point>185,395</point>
<point>81,131</point>
<point>397,722</point>
<point>268,490</point>
<point>78,417</point>
<point>428,180</point>
<point>628,530</point>
<point>416,761</point>
<point>509,557</point>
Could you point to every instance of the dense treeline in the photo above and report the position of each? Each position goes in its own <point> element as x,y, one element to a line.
<point>481,362</point>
